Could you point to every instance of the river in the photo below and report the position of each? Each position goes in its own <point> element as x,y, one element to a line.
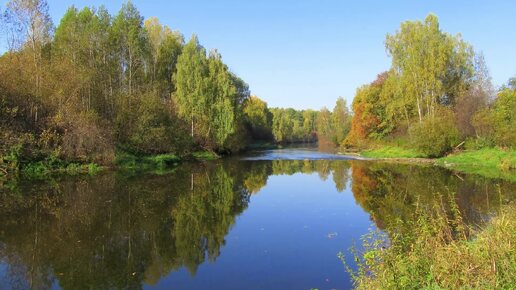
<point>268,220</point>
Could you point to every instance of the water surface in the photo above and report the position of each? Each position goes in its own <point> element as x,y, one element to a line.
<point>270,220</point>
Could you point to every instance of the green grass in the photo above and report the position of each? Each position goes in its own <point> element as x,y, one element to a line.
<point>440,252</point>
<point>44,168</point>
<point>161,161</point>
<point>159,164</point>
<point>489,162</point>
<point>205,155</point>
<point>391,152</point>
<point>41,165</point>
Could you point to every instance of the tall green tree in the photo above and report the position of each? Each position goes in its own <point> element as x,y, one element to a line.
<point>341,120</point>
<point>166,46</point>
<point>189,79</point>
<point>208,95</point>
<point>433,66</point>
<point>30,27</point>
<point>282,125</point>
<point>221,100</point>
<point>496,123</point>
<point>132,44</point>
<point>309,122</point>
<point>258,118</point>
<point>324,125</point>
<point>80,42</point>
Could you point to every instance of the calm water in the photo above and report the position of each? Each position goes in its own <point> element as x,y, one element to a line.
<point>270,220</point>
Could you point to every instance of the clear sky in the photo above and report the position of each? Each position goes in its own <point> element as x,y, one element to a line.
<point>305,54</point>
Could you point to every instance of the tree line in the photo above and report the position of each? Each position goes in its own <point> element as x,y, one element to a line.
<point>97,84</point>
<point>436,95</point>
<point>287,125</point>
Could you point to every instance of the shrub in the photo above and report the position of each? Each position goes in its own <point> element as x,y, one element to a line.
<point>478,143</point>
<point>435,136</point>
<point>353,142</point>
<point>440,252</point>
<point>497,123</point>
<point>504,118</point>
<point>16,149</point>
<point>85,138</point>
<point>148,127</point>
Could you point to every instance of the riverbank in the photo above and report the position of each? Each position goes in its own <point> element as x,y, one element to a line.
<point>488,162</point>
<point>160,161</point>
<point>442,252</point>
<point>14,166</point>
<point>123,161</point>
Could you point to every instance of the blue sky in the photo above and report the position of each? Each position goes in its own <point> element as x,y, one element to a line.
<point>305,54</point>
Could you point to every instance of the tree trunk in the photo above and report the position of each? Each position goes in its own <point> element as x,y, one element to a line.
<point>130,74</point>
<point>192,126</point>
<point>419,110</point>
<point>406,116</point>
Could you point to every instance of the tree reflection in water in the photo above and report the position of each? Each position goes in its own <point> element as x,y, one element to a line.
<point>123,230</point>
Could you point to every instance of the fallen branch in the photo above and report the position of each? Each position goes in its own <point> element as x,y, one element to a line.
<point>458,176</point>
<point>460,144</point>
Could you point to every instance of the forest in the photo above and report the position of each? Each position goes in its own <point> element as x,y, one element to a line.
<point>119,90</point>
<point>437,95</point>
<point>98,86</point>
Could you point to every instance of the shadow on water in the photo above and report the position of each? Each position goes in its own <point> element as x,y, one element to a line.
<point>130,231</point>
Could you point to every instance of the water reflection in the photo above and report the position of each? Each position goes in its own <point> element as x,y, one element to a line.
<point>392,192</point>
<point>126,230</point>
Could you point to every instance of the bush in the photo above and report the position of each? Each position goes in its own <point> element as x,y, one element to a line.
<point>478,143</point>
<point>149,127</point>
<point>440,252</point>
<point>85,138</point>
<point>352,142</point>
<point>504,119</point>
<point>435,136</point>
<point>16,149</point>
<point>497,123</point>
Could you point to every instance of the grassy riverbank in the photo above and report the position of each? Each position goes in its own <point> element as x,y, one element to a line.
<point>123,160</point>
<point>161,161</point>
<point>392,152</point>
<point>441,253</point>
<point>43,168</point>
<point>12,165</point>
<point>488,162</point>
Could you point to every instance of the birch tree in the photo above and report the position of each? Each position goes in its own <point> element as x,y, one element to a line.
<point>433,66</point>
